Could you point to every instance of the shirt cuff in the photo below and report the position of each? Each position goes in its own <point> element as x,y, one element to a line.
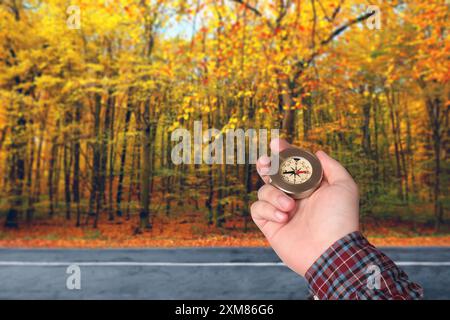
<point>352,268</point>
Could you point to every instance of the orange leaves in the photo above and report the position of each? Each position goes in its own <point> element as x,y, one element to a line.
<point>416,241</point>
<point>183,232</point>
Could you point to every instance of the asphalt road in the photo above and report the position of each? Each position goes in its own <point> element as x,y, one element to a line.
<point>191,273</point>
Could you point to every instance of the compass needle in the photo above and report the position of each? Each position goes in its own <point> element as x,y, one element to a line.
<point>300,173</point>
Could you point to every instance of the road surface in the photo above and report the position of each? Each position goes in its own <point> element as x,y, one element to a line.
<point>185,273</point>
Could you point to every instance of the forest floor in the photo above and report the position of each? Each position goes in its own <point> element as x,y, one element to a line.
<point>191,231</point>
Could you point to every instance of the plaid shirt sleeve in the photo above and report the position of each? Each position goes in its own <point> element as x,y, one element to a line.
<point>354,269</point>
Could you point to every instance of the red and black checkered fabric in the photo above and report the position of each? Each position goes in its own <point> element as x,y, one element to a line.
<point>352,268</point>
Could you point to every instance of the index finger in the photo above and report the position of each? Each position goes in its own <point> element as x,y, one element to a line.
<point>263,163</point>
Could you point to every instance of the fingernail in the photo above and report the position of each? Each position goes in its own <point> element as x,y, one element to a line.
<point>264,160</point>
<point>264,170</point>
<point>285,202</point>
<point>281,216</point>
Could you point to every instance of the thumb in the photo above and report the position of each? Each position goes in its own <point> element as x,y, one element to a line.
<point>277,145</point>
<point>333,171</point>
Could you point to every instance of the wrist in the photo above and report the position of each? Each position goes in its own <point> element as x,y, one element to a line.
<point>322,245</point>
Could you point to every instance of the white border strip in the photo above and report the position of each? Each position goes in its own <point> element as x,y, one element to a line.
<point>182,264</point>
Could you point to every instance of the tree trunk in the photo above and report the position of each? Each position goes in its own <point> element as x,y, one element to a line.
<point>144,214</point>
<point>37,177</point>
<point>95,199</point>
<point>391,102</point>
<point>67,162</point>
<point>106,141</point>
<point>135,160</point>
<point>17,169</point>
<point>434,116</point>
<point>76,162</point>
<point>123,155</point>
<point>365,128</point>
<point>210,198</point>
<point>51,172</point>
<point>29,183</point>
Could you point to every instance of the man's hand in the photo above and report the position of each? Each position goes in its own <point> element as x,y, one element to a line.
<point>301,230</point>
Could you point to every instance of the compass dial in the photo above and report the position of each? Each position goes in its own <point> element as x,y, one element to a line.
<point>296,170</point>
<point>299,175</point>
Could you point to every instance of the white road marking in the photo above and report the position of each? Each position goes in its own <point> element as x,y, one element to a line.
<point>182,264</point>
<point>423,263</point>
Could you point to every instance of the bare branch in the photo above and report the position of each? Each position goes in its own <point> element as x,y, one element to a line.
<point>283,8</point>
<point>313,32</point>
<point>344,27</point>
<point>255,11</point>
<point>300,64</point>
<point>249,7</point>
<point>335,11</point>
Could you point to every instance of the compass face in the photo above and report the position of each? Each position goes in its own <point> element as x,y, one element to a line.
<point>299,175</point>
<point>296,170</point>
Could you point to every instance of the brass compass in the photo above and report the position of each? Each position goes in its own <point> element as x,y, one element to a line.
<point>299,173</point>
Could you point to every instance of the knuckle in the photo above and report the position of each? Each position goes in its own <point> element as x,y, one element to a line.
<point>266,191</point>
<point>262,191</point>
<point>354,187</point>
<point>254,208</point>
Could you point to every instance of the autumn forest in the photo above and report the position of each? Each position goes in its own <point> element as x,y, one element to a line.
<point>91,90</point>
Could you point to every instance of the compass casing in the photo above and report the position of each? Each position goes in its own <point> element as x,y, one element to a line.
<point>303,190</point>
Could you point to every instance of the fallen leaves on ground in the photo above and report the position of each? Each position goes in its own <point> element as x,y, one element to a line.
<point>189,232</point>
